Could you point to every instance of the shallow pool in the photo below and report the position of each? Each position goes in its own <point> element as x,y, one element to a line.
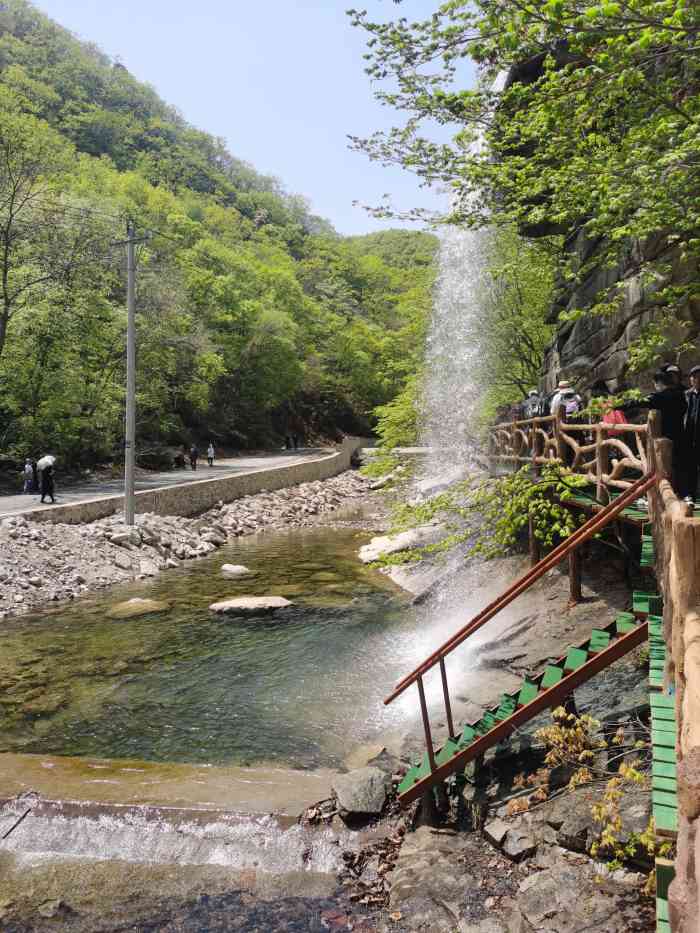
<point>186,685</point>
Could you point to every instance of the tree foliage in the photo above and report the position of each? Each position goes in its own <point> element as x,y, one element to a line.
<point>585,122</point>
<point>254,317</point>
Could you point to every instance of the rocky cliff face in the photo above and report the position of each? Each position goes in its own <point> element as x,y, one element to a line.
<point>595,347</point>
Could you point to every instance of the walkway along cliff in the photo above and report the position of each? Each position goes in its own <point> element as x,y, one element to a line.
<point>669,619</point>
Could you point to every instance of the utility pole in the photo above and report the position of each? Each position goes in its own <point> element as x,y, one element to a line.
<point>130,433</point>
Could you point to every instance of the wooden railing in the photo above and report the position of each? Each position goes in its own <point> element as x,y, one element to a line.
<point>608,455</point>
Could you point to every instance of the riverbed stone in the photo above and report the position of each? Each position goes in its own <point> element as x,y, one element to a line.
<point>136,606</point>
<point>362,792</point>
<point>250,604</point>
<point>234,570</point>
<point>392,544</point>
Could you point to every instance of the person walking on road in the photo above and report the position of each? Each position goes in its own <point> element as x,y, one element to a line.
<point>28,474</point>
<point>47,483</point>
<point>211,453</point>
<point>194,456</point>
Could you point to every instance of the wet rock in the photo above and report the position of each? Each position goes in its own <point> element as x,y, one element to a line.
<point>250,604</point>
<point>136,606</point>
<point>362,792</point>
<point>234,570</point>
<point>392,544</point>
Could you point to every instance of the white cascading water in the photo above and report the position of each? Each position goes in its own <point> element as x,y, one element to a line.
<point>451,392</point>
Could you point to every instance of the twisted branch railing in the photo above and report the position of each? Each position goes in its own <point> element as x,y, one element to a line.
<point>609,455</point>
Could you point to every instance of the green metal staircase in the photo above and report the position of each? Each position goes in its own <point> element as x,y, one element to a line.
<point>548,689</point>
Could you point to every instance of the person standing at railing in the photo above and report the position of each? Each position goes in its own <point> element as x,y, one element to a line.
<point>532,405</point>
<point>668,399</point>
<point>566,396</point>
<point>692,435</point>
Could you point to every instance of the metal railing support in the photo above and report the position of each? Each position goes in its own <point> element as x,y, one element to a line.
<point>426,724</point>
<point>446,695</point>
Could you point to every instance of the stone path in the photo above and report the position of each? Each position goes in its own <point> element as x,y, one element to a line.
<point>94,489</point>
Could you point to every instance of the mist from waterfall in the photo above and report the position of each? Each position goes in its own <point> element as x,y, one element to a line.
<point>451,392</point>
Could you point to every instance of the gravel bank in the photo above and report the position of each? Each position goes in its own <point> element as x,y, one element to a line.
<point>42,564</point>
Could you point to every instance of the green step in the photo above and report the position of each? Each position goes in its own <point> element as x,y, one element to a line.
<point>575,658</point>
<point>624,623</point>
<point>528,692</point>
<point>664,754</point>
<point>448,750</point>
<point>666,819</point>
<point>467,737</point>
<point>599,640</point>
<point>665,769</point>
<point>662,701</point>
<point>670,785</point>
<point>664,798</point>
<point>552,676</point>
<point>487,721</point>
<point>649,603</point>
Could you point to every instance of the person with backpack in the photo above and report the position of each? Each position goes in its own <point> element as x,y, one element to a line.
<point>568,399</point>
<point>194,456</point>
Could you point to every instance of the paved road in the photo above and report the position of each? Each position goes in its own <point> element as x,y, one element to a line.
<point>93,489</point>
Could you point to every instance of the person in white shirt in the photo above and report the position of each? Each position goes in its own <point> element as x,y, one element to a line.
<point>28,474</point>
<point>210,454</point>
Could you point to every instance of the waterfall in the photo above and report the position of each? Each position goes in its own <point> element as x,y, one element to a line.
<point>451,391</point>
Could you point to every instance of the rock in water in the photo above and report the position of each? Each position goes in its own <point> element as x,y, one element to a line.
<point>392,544</point>
<point>250,604</point>
<point>362,792</point>
<point>136,607</point>
<point>234,570</point>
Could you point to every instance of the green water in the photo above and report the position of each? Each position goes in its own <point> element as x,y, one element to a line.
<point>186,685</point>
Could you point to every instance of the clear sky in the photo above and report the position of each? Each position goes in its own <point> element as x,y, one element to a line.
<point>282,81</point>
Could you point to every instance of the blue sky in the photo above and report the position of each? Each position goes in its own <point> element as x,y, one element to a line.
<point>281,81</point>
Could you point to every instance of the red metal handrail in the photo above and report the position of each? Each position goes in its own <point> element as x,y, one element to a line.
<point>586,531</point>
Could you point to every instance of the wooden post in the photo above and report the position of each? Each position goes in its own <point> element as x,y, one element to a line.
<point>575,594</point>
<point>536,446</point>
<point>561,443</point>
<point>602,464</point>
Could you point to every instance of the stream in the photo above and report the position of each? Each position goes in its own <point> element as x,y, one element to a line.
<point>184,685</point>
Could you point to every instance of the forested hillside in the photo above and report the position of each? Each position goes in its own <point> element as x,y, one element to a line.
<point>254,316</point>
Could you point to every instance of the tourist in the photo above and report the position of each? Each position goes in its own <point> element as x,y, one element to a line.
<point>609,414</point>
<point>28,474</point>
<point>691,447</point>
<point>675,373</point>
<point>47,483</point>
<point>669,399</point>
<point>194,456</point>
<point>532,404</point>
<point>566,398</point>
<point>210,454</point>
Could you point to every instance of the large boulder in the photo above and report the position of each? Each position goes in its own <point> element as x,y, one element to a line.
<point>250,605</point>
<point>362,792</point>
<point>136,607</point>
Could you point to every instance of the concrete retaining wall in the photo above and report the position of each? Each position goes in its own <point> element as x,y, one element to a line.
<point>194,498</point>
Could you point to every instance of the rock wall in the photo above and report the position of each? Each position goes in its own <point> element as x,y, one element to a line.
<point>595,347</point>
<point>194,498</point>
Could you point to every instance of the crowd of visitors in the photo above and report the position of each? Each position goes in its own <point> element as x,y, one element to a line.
<point>678,405</point>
